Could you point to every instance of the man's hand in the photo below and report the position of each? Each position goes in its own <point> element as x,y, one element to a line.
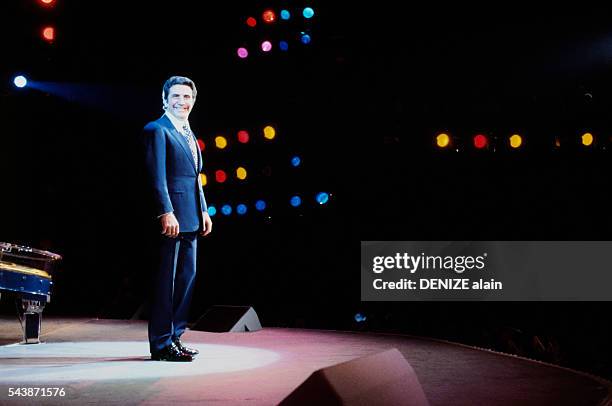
<point>169,225</point>
<point>207,227</point>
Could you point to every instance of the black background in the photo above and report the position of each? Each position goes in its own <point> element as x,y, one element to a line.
<point>361,105</point>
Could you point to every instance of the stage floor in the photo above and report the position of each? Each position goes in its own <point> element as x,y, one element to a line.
<point>107,361</point>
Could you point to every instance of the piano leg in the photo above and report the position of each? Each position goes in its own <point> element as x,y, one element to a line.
<point>32,312</point>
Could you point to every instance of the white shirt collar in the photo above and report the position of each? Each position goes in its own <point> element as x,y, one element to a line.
<point>176,123</point>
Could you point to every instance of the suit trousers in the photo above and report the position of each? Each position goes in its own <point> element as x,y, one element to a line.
<point>172,289</point>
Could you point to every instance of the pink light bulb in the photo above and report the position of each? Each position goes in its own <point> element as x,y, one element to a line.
<point>242,53</point>
<point>266,46</point>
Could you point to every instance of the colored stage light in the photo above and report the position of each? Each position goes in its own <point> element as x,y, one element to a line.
<point>212,210</point>
<point>308,12</point>
<point>243,136</point>
<point>47,3</point>
<point>48,33</point>
<point>203,179</point>
<point>220,176</point>
<point>242,52</point>
<point>251,22</point>
<point>226,209</point>
<point>20,81</point>
<point>241,209</point>
<point>283,45</point>
<point>305,38</point>
<point>442,140</point>
<point>360,318</point>
<point>285,14</point>
<point>296,161</point>
<point>260,205</point>
<point>269,132</point>
<point>322,197</point>
<point>295,201</point>
<point>220,142</point>
<point>201,144</point>
<point>266,46</point>
<point>241,173</point>
<point>516,141</point>
<point>587,139</point>
<point>268,16</point>
<point>481,141</point>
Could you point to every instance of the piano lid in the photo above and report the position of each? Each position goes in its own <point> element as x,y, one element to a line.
<point>27,260</point>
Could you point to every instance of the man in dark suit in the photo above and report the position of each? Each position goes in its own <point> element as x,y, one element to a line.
<point>173,164</point>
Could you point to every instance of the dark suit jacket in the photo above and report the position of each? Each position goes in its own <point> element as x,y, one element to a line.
<point>173,175</point>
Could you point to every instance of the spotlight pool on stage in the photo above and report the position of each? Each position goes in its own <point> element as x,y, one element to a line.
<point>103,360</point>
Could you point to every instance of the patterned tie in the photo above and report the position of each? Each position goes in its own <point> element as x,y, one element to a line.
<point>192,145</point>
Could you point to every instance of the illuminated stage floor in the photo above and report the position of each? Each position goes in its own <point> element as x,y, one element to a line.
<point>107,361</point>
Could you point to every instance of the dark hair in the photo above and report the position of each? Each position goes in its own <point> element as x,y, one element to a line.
<point>178,80</point>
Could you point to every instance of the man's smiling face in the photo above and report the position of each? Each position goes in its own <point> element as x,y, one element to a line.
<point>180,101</point>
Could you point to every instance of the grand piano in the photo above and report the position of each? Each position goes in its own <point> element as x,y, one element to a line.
<point>25,274</point>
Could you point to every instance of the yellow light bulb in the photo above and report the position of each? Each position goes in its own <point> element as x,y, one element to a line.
<point>220,142</point>
<point>269,132</point>
<point>516,141</point>
<point>443,140</point>
<point>241,173</point>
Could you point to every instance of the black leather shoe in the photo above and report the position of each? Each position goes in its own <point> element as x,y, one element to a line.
<point>171,353</point>
<point>180,346</point>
